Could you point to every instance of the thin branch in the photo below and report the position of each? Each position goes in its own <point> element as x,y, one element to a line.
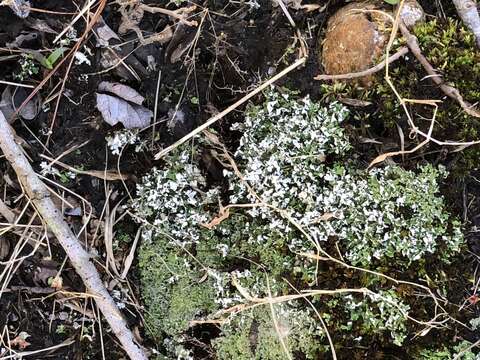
<point>38,193</point>
<point>380,66</point>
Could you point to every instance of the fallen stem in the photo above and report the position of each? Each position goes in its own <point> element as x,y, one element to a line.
<point>450,91</point>
<point>38,194</point>
<point>380,66</point>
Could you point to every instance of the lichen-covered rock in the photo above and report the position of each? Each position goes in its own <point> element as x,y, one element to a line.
<point>412,13</point>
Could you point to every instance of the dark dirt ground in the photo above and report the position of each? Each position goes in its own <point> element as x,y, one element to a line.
<point>254,42</point>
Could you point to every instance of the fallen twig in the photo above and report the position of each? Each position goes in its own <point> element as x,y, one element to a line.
<point>31,289</point>
<point>380,66</point>
<point>467,10</point>
<point>450,91</point>
<point>38,194</point>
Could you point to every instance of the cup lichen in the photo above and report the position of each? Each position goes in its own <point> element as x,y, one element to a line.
<point>297,190</point>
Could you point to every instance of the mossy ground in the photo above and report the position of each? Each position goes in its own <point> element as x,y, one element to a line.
<point>451,49</point>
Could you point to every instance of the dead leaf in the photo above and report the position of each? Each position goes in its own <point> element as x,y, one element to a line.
<point>104,33</point>
<point>132,14</point>
<point>46,270</point>
<point>4,247</point>
<point>21,39</point>
<point>40,25</point>
<point>355,102</point>
<point>181,41</point>
<point>123,91</point>
<point>111,59</point>
<point>12,98</point>
<point>131,255</point>
<point>115,110</point>
<point>313,7</point>
<point>6,106</point>
<point>161,37</point>
<point>56,282</point>
<point>365,140</point>
<point>327,216</point>
<point>31,109</point>
<point>20,341</point>
<point>223,214</point>
<point>382,157</point>
<point>473,299</point>
<point>297,5</point>
<point>21,8</point>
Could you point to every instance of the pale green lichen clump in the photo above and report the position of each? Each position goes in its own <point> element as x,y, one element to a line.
<point>293,156</point>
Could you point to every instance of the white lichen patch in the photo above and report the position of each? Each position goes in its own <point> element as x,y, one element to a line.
<point>300,189</point>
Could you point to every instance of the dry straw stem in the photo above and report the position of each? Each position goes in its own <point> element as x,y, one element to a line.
<point>228,110</point>
<point>38,194</point>
<point>108,175</point>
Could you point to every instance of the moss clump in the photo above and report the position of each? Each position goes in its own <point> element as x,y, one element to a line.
<point>166,279</point>
<point>253,335</point>
<point>174,202</point>
<point>298,193</point>
<point>451,49</point>
<point>458,351</point>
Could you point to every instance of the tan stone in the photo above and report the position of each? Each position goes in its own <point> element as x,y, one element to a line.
<point>355,39</point>
<point>357,34</point>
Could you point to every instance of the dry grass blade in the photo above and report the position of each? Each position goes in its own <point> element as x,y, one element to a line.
<point>4,82</point>
<point>24,354</point>
<point>108,175</point>
<point>131,255</point>
<point>109,235</point>
<point>281,334</point>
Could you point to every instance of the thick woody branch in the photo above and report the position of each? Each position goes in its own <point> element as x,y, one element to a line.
<point>468,12</point>
<point>38,193</point>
